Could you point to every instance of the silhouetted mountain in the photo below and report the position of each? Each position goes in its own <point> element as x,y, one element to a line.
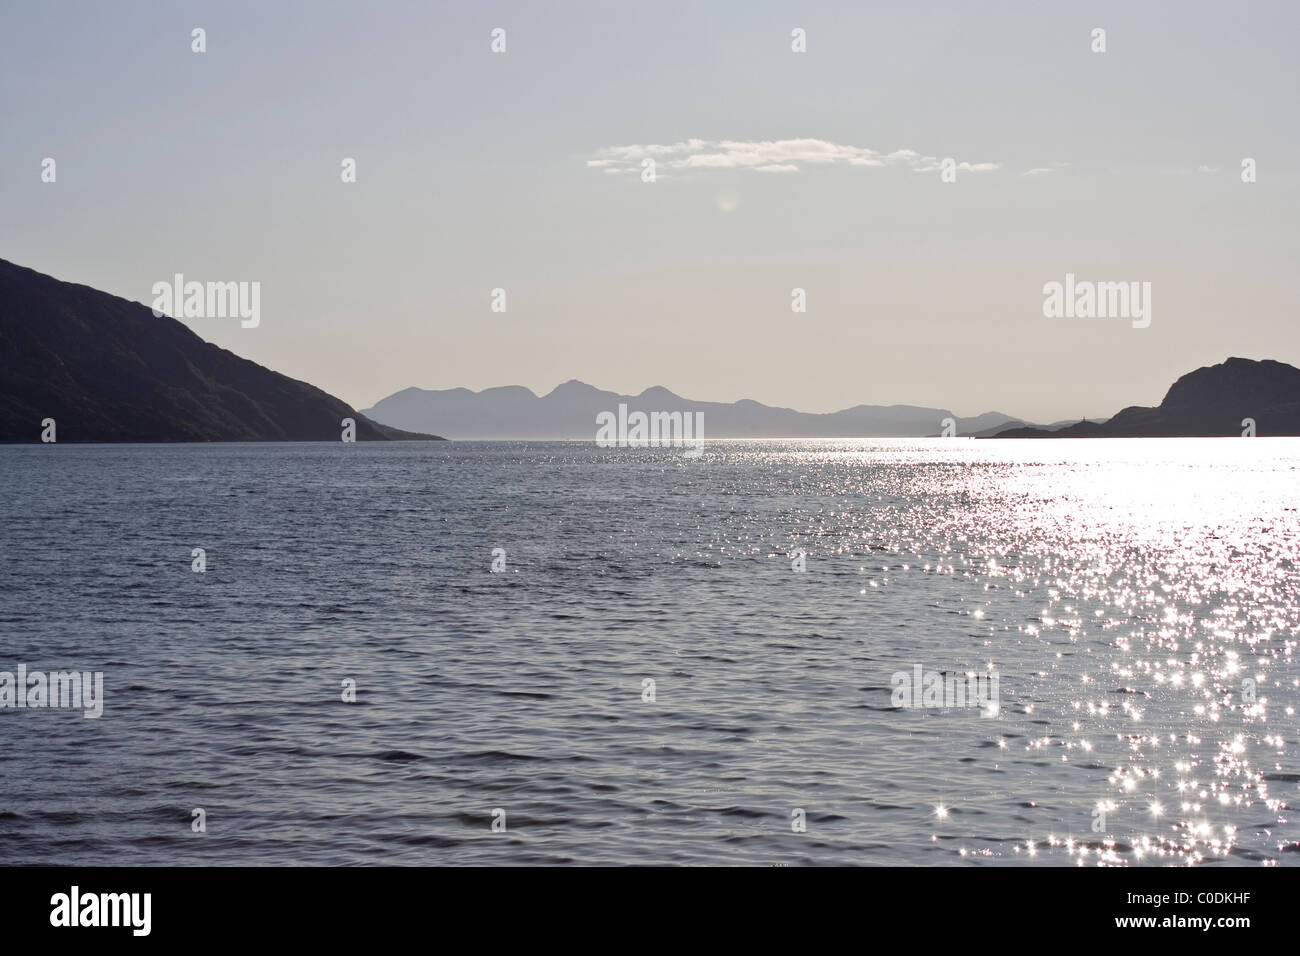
<point>1212,401</point>
<point>108,370</point>
<point>997,430</point>
<point>570,410</point>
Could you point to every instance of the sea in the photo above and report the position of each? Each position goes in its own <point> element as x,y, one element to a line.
<point>489,653</point>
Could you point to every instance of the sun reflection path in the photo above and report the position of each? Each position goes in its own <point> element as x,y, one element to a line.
<point>1156,585</point>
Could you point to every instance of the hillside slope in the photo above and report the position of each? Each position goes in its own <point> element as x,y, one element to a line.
<point>108,370</point>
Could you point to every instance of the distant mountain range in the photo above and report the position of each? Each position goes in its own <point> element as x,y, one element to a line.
<point>513,412</point>
<point>108,370</point>
<point>1213,401</point>
<point>1210,401</point>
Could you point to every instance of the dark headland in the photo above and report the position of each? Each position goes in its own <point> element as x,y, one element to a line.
<point>109,370</point>
<point>1215,401</point>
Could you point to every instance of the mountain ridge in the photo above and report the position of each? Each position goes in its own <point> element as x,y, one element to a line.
<point>568,412</point>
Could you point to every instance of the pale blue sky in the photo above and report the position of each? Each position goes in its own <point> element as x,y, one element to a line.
<point>473,174</point>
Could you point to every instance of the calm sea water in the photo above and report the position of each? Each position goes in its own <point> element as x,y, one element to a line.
<point>1139,600</point>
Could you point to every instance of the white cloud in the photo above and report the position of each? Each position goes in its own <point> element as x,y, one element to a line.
<point>1044,170</point>
<point>769,156</point>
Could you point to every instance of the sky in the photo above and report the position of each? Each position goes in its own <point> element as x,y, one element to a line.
<point>775,170</point>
